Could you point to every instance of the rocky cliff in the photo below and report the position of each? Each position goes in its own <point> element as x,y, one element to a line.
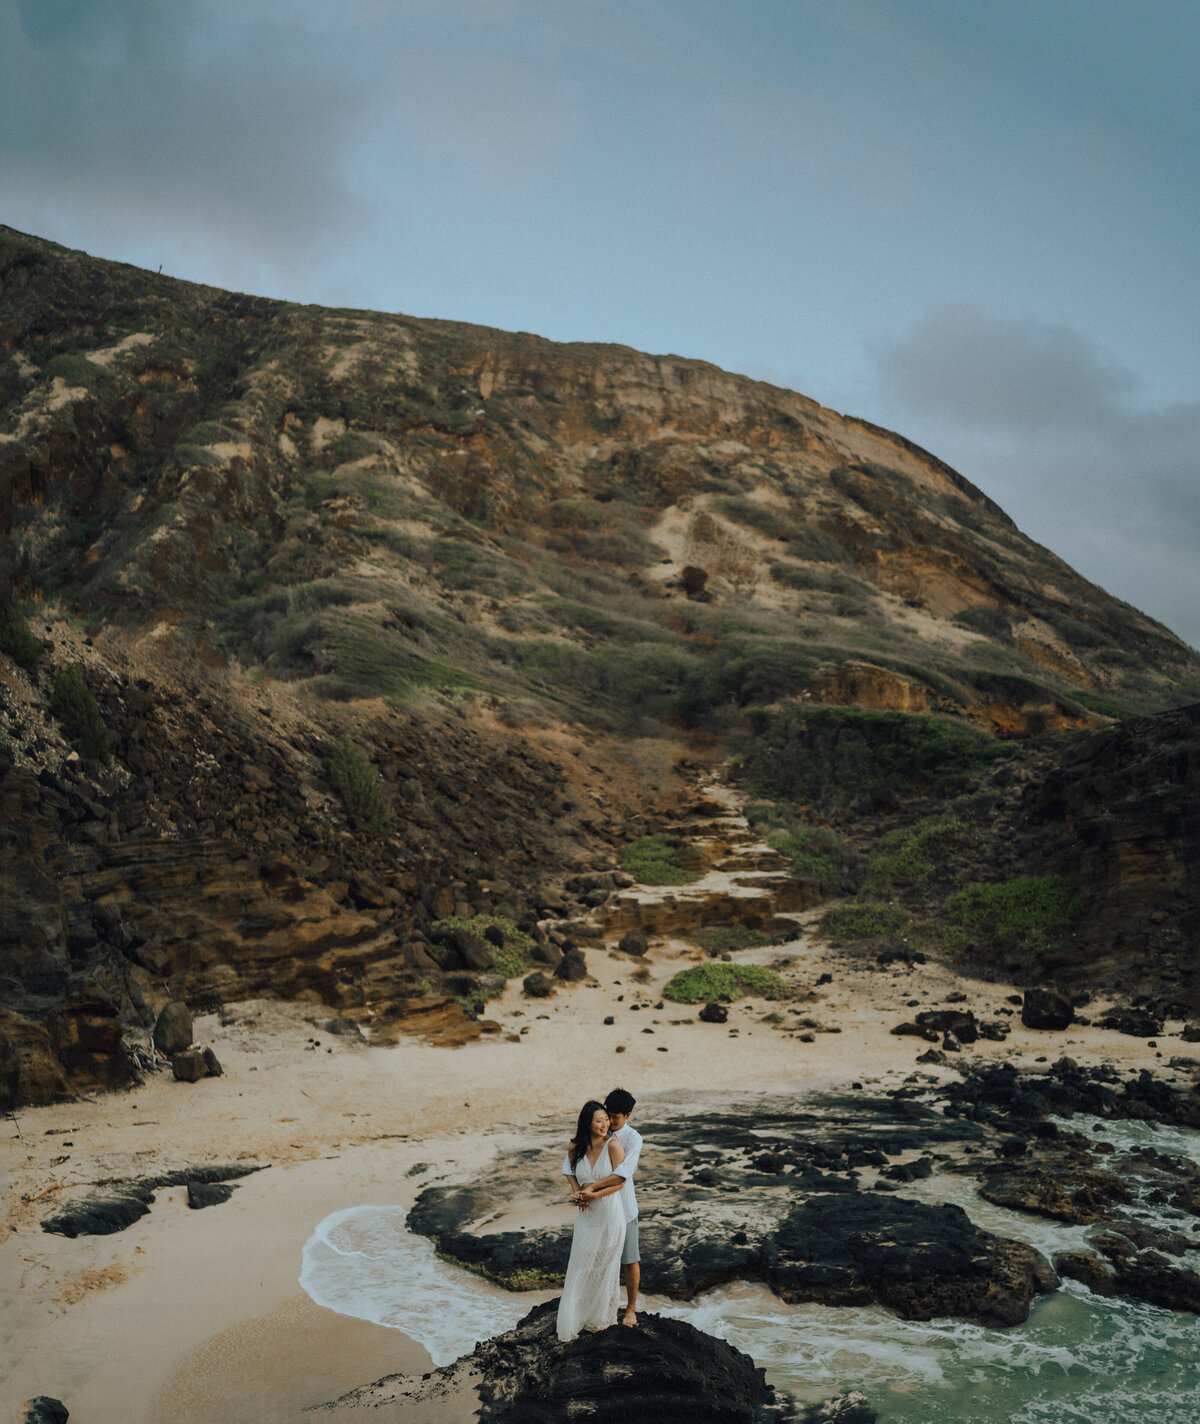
<point>526,585</point>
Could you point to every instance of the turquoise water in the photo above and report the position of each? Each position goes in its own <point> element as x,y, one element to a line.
<point>1079,1357</point>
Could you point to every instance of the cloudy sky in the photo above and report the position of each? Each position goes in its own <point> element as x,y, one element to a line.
<point>974,221</point>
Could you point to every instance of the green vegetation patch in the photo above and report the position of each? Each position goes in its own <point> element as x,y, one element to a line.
<point>914,855</point>
<point>704,983</point>
<point>358,784</point>
<point>1027,911</point>
<point>78,711</point>
<point>653,860</point>
<point>865,920</point>
<point>15,638</point>
<point>805,851</point>
<point>510,958</point>
<point>831,756</point>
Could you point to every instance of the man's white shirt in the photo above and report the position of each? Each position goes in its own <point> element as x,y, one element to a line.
<point>631,1140</point>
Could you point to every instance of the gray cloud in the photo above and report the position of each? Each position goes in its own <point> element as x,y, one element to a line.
<point>123,110</point>
<point>1052,430</point>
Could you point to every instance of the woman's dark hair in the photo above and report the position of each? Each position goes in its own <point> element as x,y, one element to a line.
<point>583,1130</point>
<point>620,1101</point>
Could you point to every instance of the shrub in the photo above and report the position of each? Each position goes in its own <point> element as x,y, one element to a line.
<point>913,855</point>
<point>652,861</point>
<point>510,958</point>
<point>830,756</point>
<point>1029,909</point>
<point>77,710</point>
<point>865,920</point>
<point>805,853</point>
<point>985,618</point>
<point>355,779</point>
<point>15,638</point>
<point>705,982</point>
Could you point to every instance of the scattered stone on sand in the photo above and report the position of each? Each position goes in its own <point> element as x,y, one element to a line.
<point>537,985</point>
<point>173,1029</point>
<point>633,942</point>
<point>189,1066</point>
<point>44,1410</point>
<point>1047,1009</point>
<point>713,1013</point>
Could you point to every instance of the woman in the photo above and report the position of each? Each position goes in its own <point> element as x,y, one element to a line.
<point>592,1289</point>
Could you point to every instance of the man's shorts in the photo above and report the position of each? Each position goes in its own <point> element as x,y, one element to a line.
<point>629,1253</point>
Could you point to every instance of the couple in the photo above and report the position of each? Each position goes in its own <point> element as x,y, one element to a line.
<point>601,1160</point>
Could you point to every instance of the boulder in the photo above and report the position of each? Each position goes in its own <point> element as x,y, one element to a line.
<point>633,942</point>
<point>573,966</point>
<point>713,1013</point>
<point>918,1260</point>
<point>548,953</point>
<point>202,1194</point>
<point>189,1066</point>
<point>960,1022</point>
<point>1137,1023</point>
<point>1046,1008</point>
<point>664,1372</point>
<point>173,1029</point>
<point>369,890</point>
<point>344,1028</point>
<point>212,1063</point>
<point>42,1409</point>
<point>537,985</point>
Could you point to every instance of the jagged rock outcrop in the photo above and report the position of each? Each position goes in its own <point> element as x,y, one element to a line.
<point>665,1371</point>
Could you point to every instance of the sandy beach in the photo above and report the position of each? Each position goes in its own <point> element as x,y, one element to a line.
<point>190,1315</point>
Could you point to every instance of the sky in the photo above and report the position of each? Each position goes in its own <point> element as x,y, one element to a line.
<point>976,222</point>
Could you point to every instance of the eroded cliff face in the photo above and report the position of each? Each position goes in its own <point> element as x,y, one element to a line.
<point>403,507</point>
<point>212,859</point>
<point>526,578</point>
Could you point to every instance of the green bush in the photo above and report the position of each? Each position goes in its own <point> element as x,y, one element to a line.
<point>705,982</point>
<point>985,618</point>
<point>912,856</point>
<point>77,710</point>
<point>15,638</point>
<point>1027,911</point>
<point>652,861</point>
<point>512,957</point>
<point>831,756</point>
<point>865,920</point>
<point>804,851</point>
<point>356,781</point>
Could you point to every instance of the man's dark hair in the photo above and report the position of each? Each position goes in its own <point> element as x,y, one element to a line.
<point>619,1101</point>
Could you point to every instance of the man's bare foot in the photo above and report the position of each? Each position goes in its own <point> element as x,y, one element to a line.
<point>629,1318</point>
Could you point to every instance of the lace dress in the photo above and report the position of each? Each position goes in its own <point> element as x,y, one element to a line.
<point>592,1290</point>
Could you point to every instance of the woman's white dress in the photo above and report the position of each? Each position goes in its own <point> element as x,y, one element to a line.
<point>592,1290</point>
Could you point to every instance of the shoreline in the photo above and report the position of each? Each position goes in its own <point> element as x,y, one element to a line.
<point>113,1324</point>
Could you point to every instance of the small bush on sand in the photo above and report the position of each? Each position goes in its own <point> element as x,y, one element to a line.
<point>705,982</point>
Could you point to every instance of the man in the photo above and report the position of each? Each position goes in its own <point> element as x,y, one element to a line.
<point>619,1105</point>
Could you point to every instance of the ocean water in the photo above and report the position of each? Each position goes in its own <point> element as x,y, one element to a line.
<point>1079,1357</point>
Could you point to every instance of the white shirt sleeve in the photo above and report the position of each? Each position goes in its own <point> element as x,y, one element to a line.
<point>629,1166</point>
<point>567,1169</point>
